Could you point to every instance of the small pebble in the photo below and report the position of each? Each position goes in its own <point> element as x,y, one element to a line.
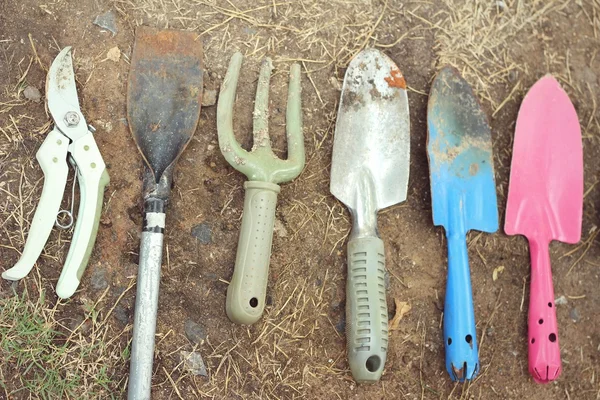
<point>574,315</point>
<point>107,21</point>
<point>121,314</point>
<point>280,229</point>
<point>489,331</point>
<point>80,324</point>
<point>193,362</point>
<point>202,232</point>
<point>561,301</point>
<point>501,5</point>
<point>98,279</point>
<point>212,276</point>
<point>335,83</point>
<point>194,332</point>
<point>32,93</point>
<point>209,97</point>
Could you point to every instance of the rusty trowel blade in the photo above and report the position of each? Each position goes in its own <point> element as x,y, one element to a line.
<point>164,94</point>
<point>371,147</point>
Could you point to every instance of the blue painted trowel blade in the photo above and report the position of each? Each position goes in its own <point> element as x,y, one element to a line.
<point>463,189</point>
<point>463,195</point>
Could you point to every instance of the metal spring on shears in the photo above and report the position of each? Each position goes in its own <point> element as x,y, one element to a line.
<point>68,213</point>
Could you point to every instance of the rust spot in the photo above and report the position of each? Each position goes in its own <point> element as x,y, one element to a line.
<point>459,373</point>
<point>473,168</point>
<point>151,42</point>
<point>395,79</point>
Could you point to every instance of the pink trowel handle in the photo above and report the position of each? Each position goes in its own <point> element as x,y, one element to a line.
<point>544,351</point>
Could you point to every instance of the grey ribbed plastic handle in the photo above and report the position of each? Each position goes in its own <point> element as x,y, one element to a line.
<point>366,309</point>
<point>248,288</point>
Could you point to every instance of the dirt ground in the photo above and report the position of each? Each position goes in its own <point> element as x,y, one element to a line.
<point>297,350</point>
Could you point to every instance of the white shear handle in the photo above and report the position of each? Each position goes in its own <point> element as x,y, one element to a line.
<point>92,178</point>
<point>52,157</point>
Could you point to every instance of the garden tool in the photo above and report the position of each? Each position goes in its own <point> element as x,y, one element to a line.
<point>369,172</point>
<point>71,138</point>
<point>164,94</point>
<point>463,196</point>
<point>545,203</point>
<point>247,291</point>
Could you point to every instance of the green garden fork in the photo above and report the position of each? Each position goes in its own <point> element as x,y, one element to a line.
<point>247,290</point>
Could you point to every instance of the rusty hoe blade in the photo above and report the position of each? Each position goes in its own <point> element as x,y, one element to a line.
<point>163,107</point>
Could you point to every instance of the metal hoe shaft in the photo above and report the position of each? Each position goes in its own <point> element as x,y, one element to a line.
<point>146,301</point>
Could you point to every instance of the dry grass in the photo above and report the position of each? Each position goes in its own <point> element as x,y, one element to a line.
<point>50,356</point>
<point>482,37</point>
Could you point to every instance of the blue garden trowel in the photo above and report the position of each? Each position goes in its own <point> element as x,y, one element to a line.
<point>463,194</point>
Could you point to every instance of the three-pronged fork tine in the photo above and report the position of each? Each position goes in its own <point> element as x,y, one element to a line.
<point>261,164</point>
<point>247,290</point>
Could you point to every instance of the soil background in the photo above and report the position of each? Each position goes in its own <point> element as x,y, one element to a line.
<point>297,350</point>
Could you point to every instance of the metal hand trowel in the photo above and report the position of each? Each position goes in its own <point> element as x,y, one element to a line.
<point>545,202</point>
<point>463,196</point>
<point>369,172</point>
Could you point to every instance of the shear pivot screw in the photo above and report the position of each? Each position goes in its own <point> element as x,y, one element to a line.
<point>72,118</point>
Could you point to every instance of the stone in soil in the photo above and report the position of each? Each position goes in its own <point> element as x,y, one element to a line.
<point>209,97</point>
<point>280,229</point>
<point>32,93</point>
<point>574,315</point>
<point>194,332</point>
<point>193,362</point>
<point>107,21</point>
<point>121,314</point>
<point>202,232</point>
<point>561,301</point>
<point>98,279</point>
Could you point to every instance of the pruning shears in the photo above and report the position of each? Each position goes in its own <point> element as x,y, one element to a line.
<point>71,139</point>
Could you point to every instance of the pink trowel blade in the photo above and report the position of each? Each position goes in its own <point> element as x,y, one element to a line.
<point>545,201</point>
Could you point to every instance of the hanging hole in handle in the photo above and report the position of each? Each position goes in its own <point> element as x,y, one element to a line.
<point>68,217</point>
<point>449,341</point>
<point>373,363</point>
<point>469,339</point>
<point>550,304</point>
<point>532,340</point>
<point>541,321</point>
<point>253,302</point>
<point>552,337</point>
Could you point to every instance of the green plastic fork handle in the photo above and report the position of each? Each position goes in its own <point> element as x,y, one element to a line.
<point>366,309</point>
<point>247,291</point>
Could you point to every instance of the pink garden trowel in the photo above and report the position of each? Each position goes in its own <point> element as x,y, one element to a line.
<point>545,201</point>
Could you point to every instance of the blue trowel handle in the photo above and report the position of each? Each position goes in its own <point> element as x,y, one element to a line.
<point>460,336</point>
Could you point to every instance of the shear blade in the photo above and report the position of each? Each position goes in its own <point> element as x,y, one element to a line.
<point>61,93</point>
